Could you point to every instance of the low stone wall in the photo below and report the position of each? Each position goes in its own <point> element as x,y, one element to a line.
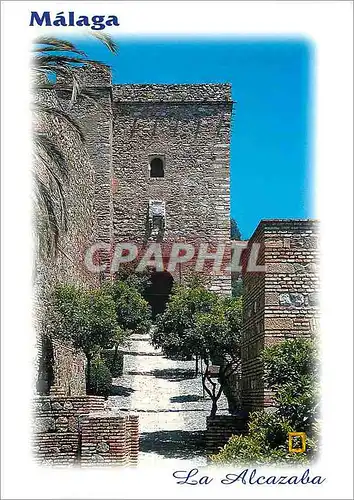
<point>79,430</point>
<point>109,440</point>
<point>54,448</point>
<point>220,429</point>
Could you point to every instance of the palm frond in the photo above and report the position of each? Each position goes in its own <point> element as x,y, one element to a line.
<point>106,40</point>
<point>59,113</point>
<point>45,202</point>
<point>53,153</point>
<point>54,179</point>
<point>65,61</point>
<point>57,45</point>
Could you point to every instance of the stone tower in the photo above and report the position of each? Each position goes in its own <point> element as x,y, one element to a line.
<point>161,159</point>
<point>171,168</point>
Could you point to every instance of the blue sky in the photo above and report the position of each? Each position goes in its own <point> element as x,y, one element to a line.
<point>271,129</point>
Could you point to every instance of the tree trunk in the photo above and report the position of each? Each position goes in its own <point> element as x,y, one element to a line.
<point>214,408</point>
<point>196,365</point>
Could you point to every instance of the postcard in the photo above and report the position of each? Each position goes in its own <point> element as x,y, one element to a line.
<point>176,199</point>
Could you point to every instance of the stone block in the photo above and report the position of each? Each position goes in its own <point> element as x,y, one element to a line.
<point>271,299</point>
<point>291,299</point>
<point>102,447</point>
<point>280,267</point>
<point>275,243</point>
<point>44,424</point>
<point>278,324</point>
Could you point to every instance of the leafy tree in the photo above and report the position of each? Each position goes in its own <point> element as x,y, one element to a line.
<point>174,324</point>
<point>217,338</point>
<point>86,318</point>
<point>52,57</point>
<point>133,313</point>
<point>199,323</point>
<point>139,280</point>
<point>291,371</point>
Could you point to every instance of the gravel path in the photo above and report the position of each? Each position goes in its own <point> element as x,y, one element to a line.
<point>168,398</point>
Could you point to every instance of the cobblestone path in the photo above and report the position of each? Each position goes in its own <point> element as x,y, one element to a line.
<point>168,398</point>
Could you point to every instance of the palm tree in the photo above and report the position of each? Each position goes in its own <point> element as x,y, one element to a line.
<point>53,57</point>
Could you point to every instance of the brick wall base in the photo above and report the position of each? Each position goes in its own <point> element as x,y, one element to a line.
<point>78,430</point>
<point>220,429</point>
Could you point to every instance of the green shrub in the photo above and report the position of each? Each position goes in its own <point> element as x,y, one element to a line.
<point>290,361</point>
<point>133,312</point>
<point>138,280</point>
<point>114,361</point>
<point>100,379</point>
<point>266,443</point>
<point>291,371</point>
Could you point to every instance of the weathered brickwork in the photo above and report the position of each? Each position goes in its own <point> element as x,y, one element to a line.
<point>79,431</point>
<point>189,127</point>
<point>281,302</point>
<point>109,439</point>
<point>220,429</point>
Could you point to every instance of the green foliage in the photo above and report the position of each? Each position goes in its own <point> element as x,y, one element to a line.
<point>133,313</point>
<point>175,326</point>
<point>114,361</point>
<point>291,371</point>
<point>236,286</point>
<point>235,233</point>
<point>266,443</point>
<point>290,361</point>
<point>87,318</point>
<point>138,280</point>
<point>199,322</point>
<point>100,378</point>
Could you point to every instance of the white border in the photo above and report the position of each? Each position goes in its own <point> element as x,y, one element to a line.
<point>329,26</point>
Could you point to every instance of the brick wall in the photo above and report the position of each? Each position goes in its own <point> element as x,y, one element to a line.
<point>109,439</point>
<point>280,303</point>
<point>220,429</point>
<point>78,431</point>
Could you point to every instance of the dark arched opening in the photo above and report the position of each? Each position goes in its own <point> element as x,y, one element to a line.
<point>159,291</point>
<point>157,168</point>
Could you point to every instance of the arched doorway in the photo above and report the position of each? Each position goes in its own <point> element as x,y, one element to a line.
<point>159,291</point>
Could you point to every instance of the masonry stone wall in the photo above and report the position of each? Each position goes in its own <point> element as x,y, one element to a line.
<point>67,265</point>
<point>78,430</point>
<point>280,303</point>
<point>109,439</point>
<point>189,127</point>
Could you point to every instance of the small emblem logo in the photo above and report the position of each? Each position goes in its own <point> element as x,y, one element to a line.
<point>294,438</point>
